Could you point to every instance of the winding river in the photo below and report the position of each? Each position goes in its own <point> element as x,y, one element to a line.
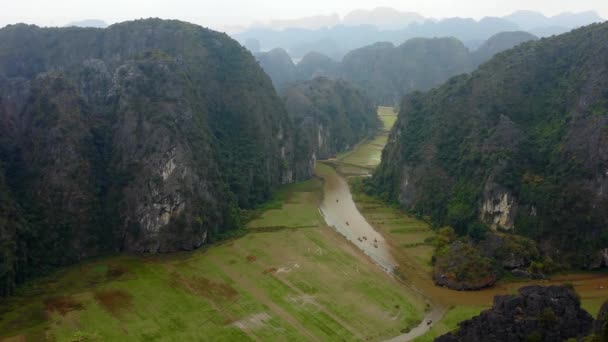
<point>340,212</point>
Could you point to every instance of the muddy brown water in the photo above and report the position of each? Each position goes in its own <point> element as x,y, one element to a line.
<point>341,213</point>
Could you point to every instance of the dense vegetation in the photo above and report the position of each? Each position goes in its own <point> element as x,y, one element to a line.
<point>147,136</point>
<point>279,66</point>
<point>315,65</point>
<point>329,116</point>
<point>387,72</point>
<point>499,43</point>
<point>519,145</point>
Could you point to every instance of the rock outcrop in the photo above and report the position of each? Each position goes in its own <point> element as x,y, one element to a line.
<point>536,314</point>
<point>462,267</point>
<point>147,136</point>
<point>600,326</point>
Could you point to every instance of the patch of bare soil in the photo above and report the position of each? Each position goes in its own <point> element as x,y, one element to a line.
<point>18,338</point>
<point>115,301</point>
<point>215,291</point>
<point>116,271</point>
<point>251,258</point>
<point>270,270</point>
<point>62,304</point>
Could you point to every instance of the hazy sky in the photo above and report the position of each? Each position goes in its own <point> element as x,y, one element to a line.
<point>224,13</point>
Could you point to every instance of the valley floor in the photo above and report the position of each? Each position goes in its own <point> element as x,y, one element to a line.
<point>291,278</point>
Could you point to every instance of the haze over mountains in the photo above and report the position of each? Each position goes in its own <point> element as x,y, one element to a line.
<point>386,72</point>
<point>336,37</point>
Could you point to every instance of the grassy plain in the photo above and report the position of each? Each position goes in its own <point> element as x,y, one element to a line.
<point>367,155</point>
<point>290,278</point>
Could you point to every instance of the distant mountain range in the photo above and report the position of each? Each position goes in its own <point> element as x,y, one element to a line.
<point>334,37</point>
<point>386,72</point>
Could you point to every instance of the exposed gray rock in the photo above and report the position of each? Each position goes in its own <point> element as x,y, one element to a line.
<point>537,313</point>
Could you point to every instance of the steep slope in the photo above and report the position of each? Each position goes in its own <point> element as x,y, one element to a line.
<point>499,43</point>
<point>330,117</point>
<point>387,72</point>
<point>521,144</point>
<point>315,65</point>
<point>147,136</point>
<point>279,66</point>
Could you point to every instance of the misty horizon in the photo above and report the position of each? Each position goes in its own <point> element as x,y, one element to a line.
<point>236,15</point>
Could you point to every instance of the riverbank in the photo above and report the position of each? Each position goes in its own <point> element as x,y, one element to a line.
<point>406,236</point>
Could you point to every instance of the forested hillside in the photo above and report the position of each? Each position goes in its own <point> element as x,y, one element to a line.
<point>147,136</point>
<point>520,145</point>
<point>499,43</point>
<point>279,66</point>
<point>387,72</point>
<point>330,117</point>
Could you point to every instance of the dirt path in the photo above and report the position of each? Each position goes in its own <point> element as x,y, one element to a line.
<point>434,316</point>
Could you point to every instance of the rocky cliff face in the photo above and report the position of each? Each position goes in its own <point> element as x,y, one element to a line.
<point>521,144</point>
<point>330,117</point>
<point>535,314</point>
<point>147,136</point>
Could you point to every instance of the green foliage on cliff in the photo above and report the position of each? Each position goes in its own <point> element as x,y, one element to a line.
<point>530,123</point>
<point>387,72</point>
<point>329,116</point>
<point>499,43</point>
<point>147,136</point>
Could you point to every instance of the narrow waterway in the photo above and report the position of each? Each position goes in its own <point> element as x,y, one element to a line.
<point>341,213</point>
